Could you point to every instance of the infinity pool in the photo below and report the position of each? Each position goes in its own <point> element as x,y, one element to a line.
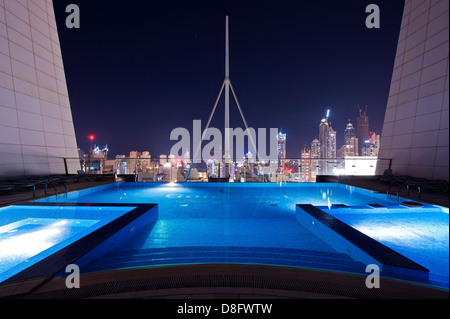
<point>256,223</point>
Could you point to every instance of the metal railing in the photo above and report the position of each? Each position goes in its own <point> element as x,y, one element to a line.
<point>141,169</point>
<point>246,170</point>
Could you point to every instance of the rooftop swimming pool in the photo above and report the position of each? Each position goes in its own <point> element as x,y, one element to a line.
<point>116,226</point>
<point>257,224</point>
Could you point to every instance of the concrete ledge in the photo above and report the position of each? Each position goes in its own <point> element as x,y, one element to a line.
<point>229,281</point>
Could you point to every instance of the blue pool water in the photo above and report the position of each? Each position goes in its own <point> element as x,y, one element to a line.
<point>28,234</point>
<point>422,235</point>
<point>253,220</point>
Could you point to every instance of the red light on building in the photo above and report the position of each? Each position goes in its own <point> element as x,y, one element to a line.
<point>91,137</point>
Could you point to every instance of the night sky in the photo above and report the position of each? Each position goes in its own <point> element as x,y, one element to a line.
<point>136,70</point>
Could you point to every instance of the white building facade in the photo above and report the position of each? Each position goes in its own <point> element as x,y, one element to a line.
<point>37,135</point>
<point>416,125</point>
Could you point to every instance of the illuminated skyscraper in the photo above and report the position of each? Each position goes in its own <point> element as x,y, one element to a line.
<point>372,146</point>
<point>349,133</point>
<point>316,149</point>
<point>305,165</point>
<point>323,129</point>
<point>362,128</point>
<point>315,156</point>
<point>350,147</point>
<point>281,146</point>
<point>331,143</point>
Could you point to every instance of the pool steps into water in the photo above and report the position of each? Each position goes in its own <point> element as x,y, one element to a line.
<point>244,255</point>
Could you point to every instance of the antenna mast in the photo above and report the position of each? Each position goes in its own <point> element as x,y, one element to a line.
<point>227,101</point>
<point>226,86</point>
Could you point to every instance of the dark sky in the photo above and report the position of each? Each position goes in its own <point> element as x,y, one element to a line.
<point>138,69</point>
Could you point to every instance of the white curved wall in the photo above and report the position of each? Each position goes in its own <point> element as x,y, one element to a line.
<point>416,126</point>
<point>36,128</point>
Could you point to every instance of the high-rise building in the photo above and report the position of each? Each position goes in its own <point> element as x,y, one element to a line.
<point>281,148</point>
<point>371,147</point>
<point>323,129</point>
<point>350,148</point>
<point>362,125</point>
<point>316,149</point>
<point>305,164</point>
<point>349,133</point>
<point>331,143</point>
<point>375,138</point>
<point>316,154</point>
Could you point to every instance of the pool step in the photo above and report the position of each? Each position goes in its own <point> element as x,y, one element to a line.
<point>248,255</point>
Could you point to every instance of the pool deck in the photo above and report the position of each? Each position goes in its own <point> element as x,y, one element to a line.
<point>370,183</point>
<point>220,281</point>
<point>18,197</point>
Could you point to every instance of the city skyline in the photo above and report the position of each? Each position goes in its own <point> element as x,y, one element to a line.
<point>281,71</point>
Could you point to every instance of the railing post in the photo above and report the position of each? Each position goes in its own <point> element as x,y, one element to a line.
<point>65,166</point>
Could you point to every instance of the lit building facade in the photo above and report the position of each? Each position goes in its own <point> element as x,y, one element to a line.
<point>316,154</point>
<point>323,129</point>
<point>362,126</point>
<point>281,148</point>
<point>331,143</point>
<point>350,148</point>
<point>371,146</point>
<point>305,165</point>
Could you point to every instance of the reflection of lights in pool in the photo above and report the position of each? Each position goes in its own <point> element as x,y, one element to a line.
<point>60,223</point>
<point>386,232</point>
<point>28,244</point>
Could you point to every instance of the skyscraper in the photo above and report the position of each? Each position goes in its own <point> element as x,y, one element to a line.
<point>281,147</point>
<point>350,147</point>
<point>362,126</point>
<point>371,146</point>
<point>349,133</point>
<point>323,129</point>
<point>305,164</point>
<point>331,143</point>
<point>315,156</point>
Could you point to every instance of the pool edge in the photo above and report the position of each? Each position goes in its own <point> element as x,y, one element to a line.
<point>46,268</point>
<point>359,246</point>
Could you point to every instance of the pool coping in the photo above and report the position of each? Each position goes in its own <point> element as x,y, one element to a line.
<point>230,281</point>
<point>348,240</point>
<point>46,268</point>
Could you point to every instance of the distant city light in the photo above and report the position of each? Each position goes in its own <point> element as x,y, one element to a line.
<point>91,137</point>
